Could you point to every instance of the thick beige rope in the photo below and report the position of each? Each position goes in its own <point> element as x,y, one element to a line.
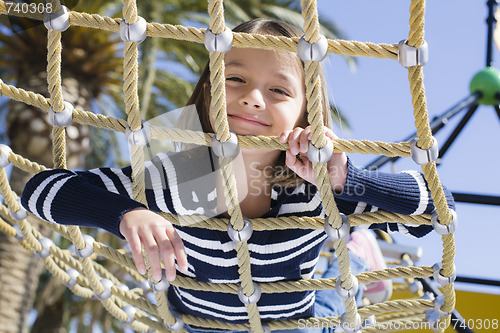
<point>218,106</point>
<point>315,107</point>
<point>415,75</point>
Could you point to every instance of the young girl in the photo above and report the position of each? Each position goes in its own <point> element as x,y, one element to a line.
<point>265,94</point>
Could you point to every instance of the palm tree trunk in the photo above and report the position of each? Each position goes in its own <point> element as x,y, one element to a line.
<point>29,135</point>
<point>19,271</point>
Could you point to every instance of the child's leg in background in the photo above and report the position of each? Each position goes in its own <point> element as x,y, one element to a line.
<point>365,255</point>
<point>328,303</point>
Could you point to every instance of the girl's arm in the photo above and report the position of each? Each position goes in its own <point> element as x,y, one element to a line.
<point>103,198</point>
<point>404,193</point>
<point>95,198</point>
<point>363,190</point>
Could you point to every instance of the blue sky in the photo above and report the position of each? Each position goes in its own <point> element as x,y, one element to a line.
<point>376,99</point>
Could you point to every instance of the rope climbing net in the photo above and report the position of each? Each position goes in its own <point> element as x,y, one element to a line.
<point>86,278</point>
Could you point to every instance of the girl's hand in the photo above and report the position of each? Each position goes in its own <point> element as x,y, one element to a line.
<point>298,140</point>
<point>142,227</point>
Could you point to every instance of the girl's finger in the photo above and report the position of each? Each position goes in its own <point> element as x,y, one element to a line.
<point>151,248</point>
<point>328,132</point>
<point>293,140</point>
<point>292,161</point>
<point>284,136</point>
<point>304,140</point>
<point>179,249</point>
<point>167,253</point>
<point>135,246</point>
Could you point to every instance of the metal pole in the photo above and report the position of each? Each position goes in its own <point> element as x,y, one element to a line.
<point>491,21</point>
<point>476,198</point>
<point>497,109</point>
<point>457,130</point>
<point>484,282</point>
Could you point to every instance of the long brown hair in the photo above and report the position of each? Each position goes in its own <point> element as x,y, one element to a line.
<point>200,97</point>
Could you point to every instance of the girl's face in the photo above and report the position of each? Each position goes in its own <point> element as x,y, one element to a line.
<point>265,92</point>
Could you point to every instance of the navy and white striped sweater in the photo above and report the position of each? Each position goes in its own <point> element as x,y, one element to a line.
<point>183,184</point>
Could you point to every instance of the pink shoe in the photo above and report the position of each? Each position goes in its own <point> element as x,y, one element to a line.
<point>362,243</point>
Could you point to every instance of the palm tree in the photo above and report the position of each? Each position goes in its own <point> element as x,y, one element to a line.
<point>92,70</point>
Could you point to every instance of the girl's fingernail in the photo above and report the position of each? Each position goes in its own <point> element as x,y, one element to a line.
<point>171,278</point>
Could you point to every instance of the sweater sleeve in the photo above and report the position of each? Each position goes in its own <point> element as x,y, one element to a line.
<point>404,193</point>
<point>177,183</point>
<point>95,198</point>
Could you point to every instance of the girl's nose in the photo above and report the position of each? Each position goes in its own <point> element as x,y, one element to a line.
<point>253,99</point>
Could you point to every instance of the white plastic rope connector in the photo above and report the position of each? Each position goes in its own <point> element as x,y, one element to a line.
<point>240,235</point>
<point>441,279</point>
<point>87,251</point>
<point>229,148</point>
<point>338,233</point>
<point>252,299</point>
<point>130,311</point>
<point>438,303</point>
<point>20,214</point>
<point>19,234</point>
<point>347,293</point>
<point>320,155</point>
<point>140,137</point>
<point>106,284</point>
<point>312,51</point>
<point>433,319</point>
<point>73,276</point>
<point>46,243</point>
<point>4,155</point>
<point>57,21</point>
<point>444,229</point>
<point>222,42</point>
<point>161,285</point>
<point>63,118</point>
<point>424,156</point>
<point>410,56</point>
<point>134,32</point>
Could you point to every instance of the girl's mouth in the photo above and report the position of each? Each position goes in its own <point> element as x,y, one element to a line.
<point>247,119</point>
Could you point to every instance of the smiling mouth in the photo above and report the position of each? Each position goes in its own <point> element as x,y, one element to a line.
<point>248,120</point>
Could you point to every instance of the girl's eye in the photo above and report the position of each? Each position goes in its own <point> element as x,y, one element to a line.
<point>280,91</point>
<point>235,79</point>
